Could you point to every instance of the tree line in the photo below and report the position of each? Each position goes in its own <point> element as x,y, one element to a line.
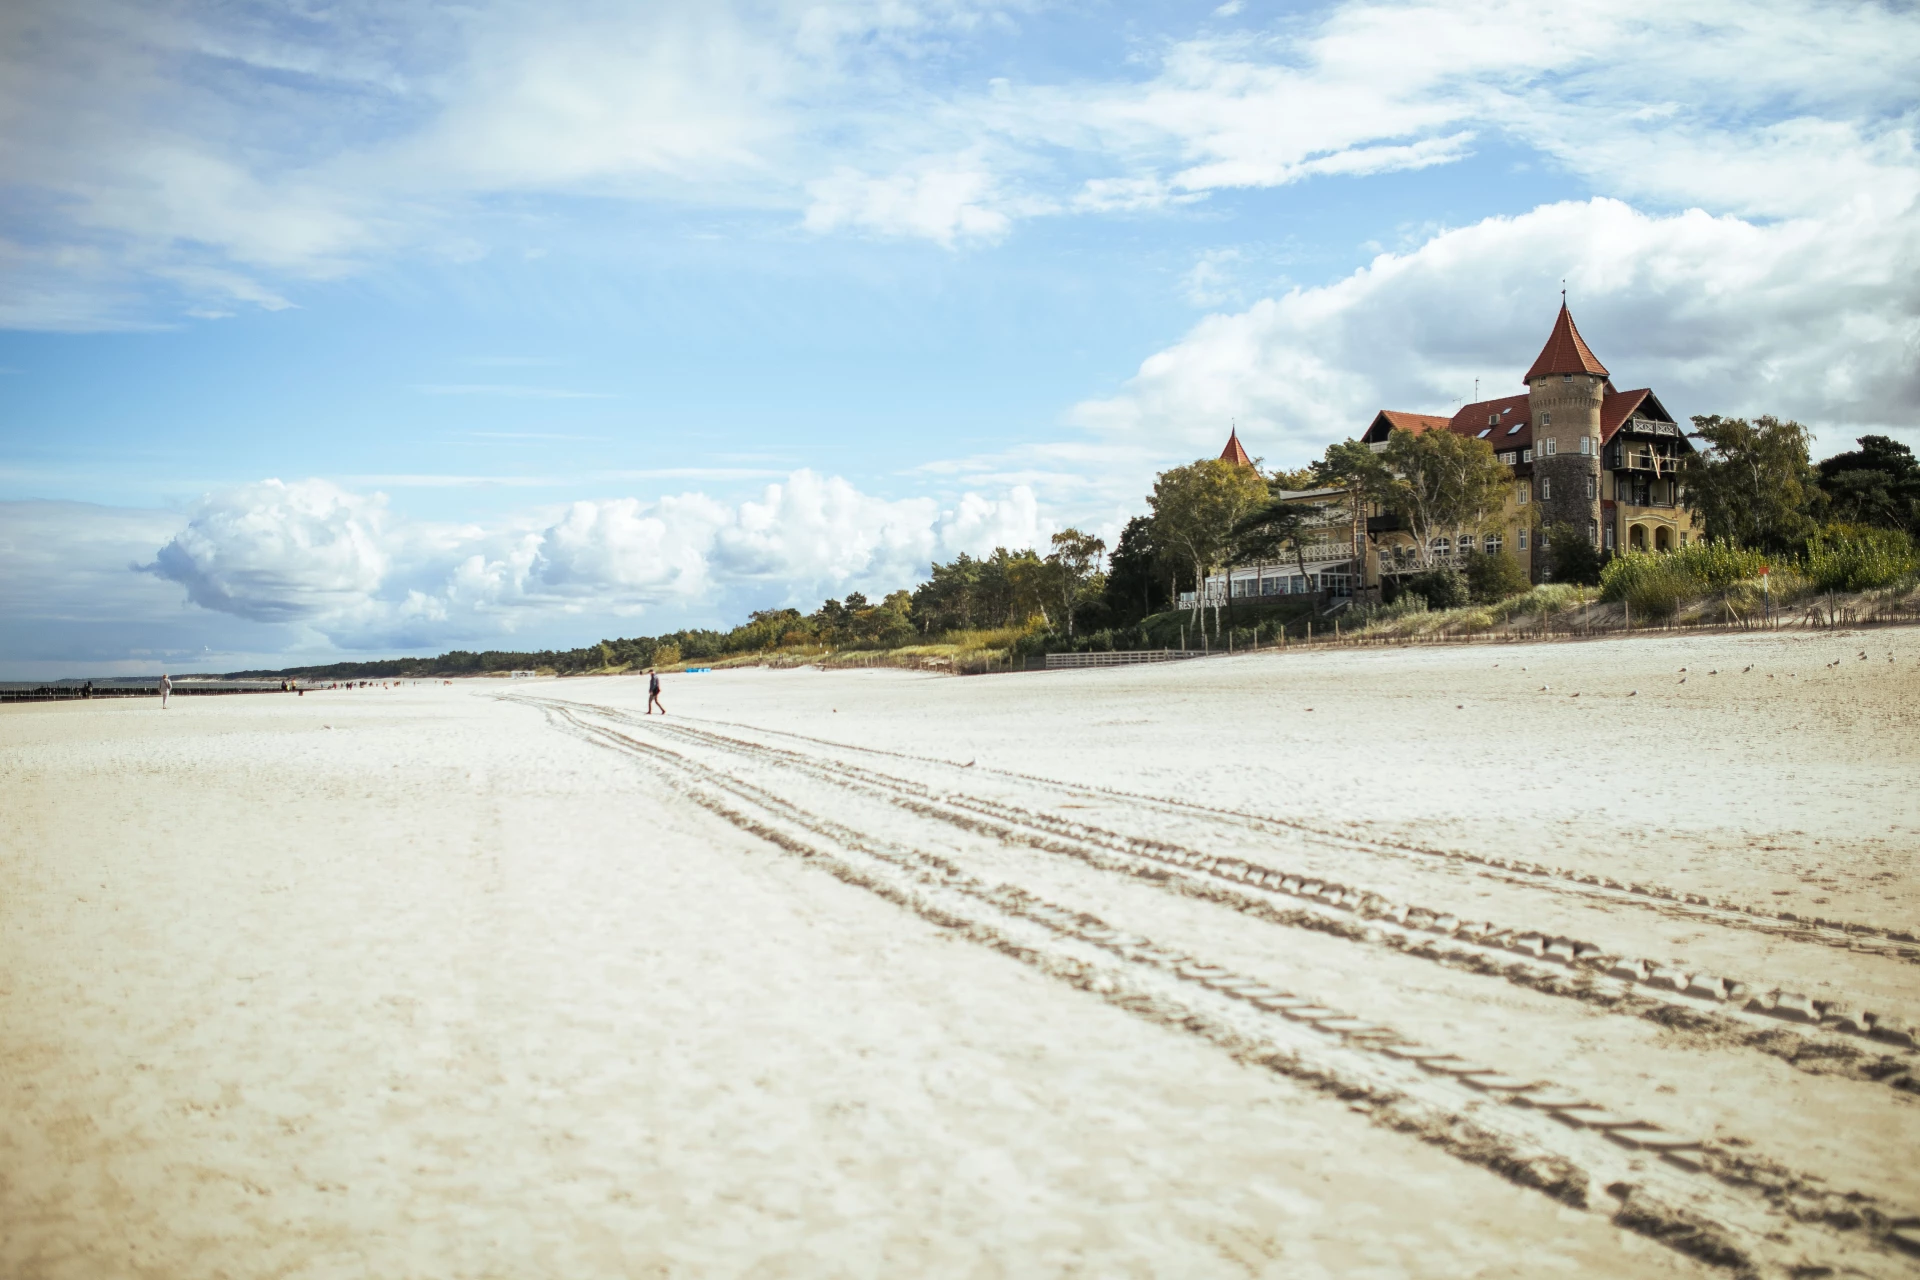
<point>1752,484</point>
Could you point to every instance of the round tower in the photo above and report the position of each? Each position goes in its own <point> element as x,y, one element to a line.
<point>1565,389</point>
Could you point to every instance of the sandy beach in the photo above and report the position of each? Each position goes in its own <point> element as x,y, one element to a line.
<point>1501,960</point>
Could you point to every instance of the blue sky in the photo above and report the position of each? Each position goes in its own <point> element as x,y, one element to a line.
<point>364,329</point>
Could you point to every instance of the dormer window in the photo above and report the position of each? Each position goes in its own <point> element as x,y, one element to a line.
<point>1493,419</point>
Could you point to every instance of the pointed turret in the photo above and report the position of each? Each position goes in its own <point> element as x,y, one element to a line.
<point>1234,453</point>
<point>1566,352</point>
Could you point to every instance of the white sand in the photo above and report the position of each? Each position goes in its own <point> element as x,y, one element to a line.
<point>439,983</point>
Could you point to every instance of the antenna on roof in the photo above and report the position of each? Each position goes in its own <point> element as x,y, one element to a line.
<point>1563,291</point>
<point>1476,391</point>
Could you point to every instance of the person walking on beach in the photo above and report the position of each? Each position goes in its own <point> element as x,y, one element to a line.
<point>166,688</point>
<point>653,692</point>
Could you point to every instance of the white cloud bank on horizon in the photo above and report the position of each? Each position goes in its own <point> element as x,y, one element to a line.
<point>344,566</point>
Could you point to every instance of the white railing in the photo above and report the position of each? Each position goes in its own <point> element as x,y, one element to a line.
<point>1118,658</point>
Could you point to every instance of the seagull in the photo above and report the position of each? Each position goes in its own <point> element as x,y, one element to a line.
<point>1714,672</point>
<point>1683,679</point>
<point>1746,668</point>
<point>1634,694</point>
<point>1683,670</point>
<point>1545,687</point>
<point>969,764</point>
<point>1576,695</point>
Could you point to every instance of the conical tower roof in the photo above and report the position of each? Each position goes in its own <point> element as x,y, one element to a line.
<point>1566,352</point>
<point>1234,453</point>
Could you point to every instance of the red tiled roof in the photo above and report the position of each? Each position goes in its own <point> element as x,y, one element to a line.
<point>1499,419</point>
<point>1566,352</point>
<point>1616,408</point>
<point>1396,420</point>
<point>1234,453</point>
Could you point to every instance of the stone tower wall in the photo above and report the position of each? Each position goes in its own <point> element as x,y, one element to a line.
<point>1567,413</point>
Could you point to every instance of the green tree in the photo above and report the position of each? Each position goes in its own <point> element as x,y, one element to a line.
<point>1136,577</point>
<point>1275,531</point>
<point>1572,557</point>
<point>1493,577</point>
<point>1876,484</point>
<point>1354,466</point>
<point>946,601</point>
<point>1752,483</point>
<point>1441,483</point>
<point>1195,508</point>
<point>1074,561</point>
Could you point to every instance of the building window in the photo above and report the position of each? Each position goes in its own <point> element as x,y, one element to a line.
<point>1525,491</point>
<point>1546,418</point>
<point>1593,532</point>
<point>1546,488</point>
<point>1551,446</point>
<point>1514,430</point>
<point>1609,537</point>
<point>1526,455</point>
<point>1493,419</point>
<point>1586,445</point>
<point>1509,458</point>
<point>1566,377</point>
<point>1593,490</point>
<point>1484,433</point>
<point>1440,547</point>
<point>1466,543</point>
<point>1492,543</point>
<point>1683,538</point>
<point>1522,539</point>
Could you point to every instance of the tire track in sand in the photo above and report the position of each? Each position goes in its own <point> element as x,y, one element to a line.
<point>1557,966</point>
<point>1723,1205</point>
<point>1886,940</point>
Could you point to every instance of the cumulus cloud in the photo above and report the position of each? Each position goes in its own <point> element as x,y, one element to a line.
<point>1813,317</point>
<point>275,552</point>
<point>344,566</point>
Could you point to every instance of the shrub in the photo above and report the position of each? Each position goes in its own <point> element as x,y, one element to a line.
<point>1442,587</point>
<point>1492,578</point>
<point>1548,597</point>
<point>1652,584</point>
<point>1859,558</point>
<point>1718,564</point>
<point>1572,557</point>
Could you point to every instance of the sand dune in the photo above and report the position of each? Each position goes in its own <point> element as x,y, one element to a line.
<point>1283,965</point>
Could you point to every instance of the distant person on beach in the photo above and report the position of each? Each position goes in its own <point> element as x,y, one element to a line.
<point>653,692</point>
<point>166,688</point>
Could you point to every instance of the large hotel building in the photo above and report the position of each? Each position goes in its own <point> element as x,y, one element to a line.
<point>1580,452</point>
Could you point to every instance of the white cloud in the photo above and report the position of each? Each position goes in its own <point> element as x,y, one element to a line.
<point>1812,317</point>
<point>233,154</point>
<point>343,566</point>
<point>944,203</point>
<point>274,552</point>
